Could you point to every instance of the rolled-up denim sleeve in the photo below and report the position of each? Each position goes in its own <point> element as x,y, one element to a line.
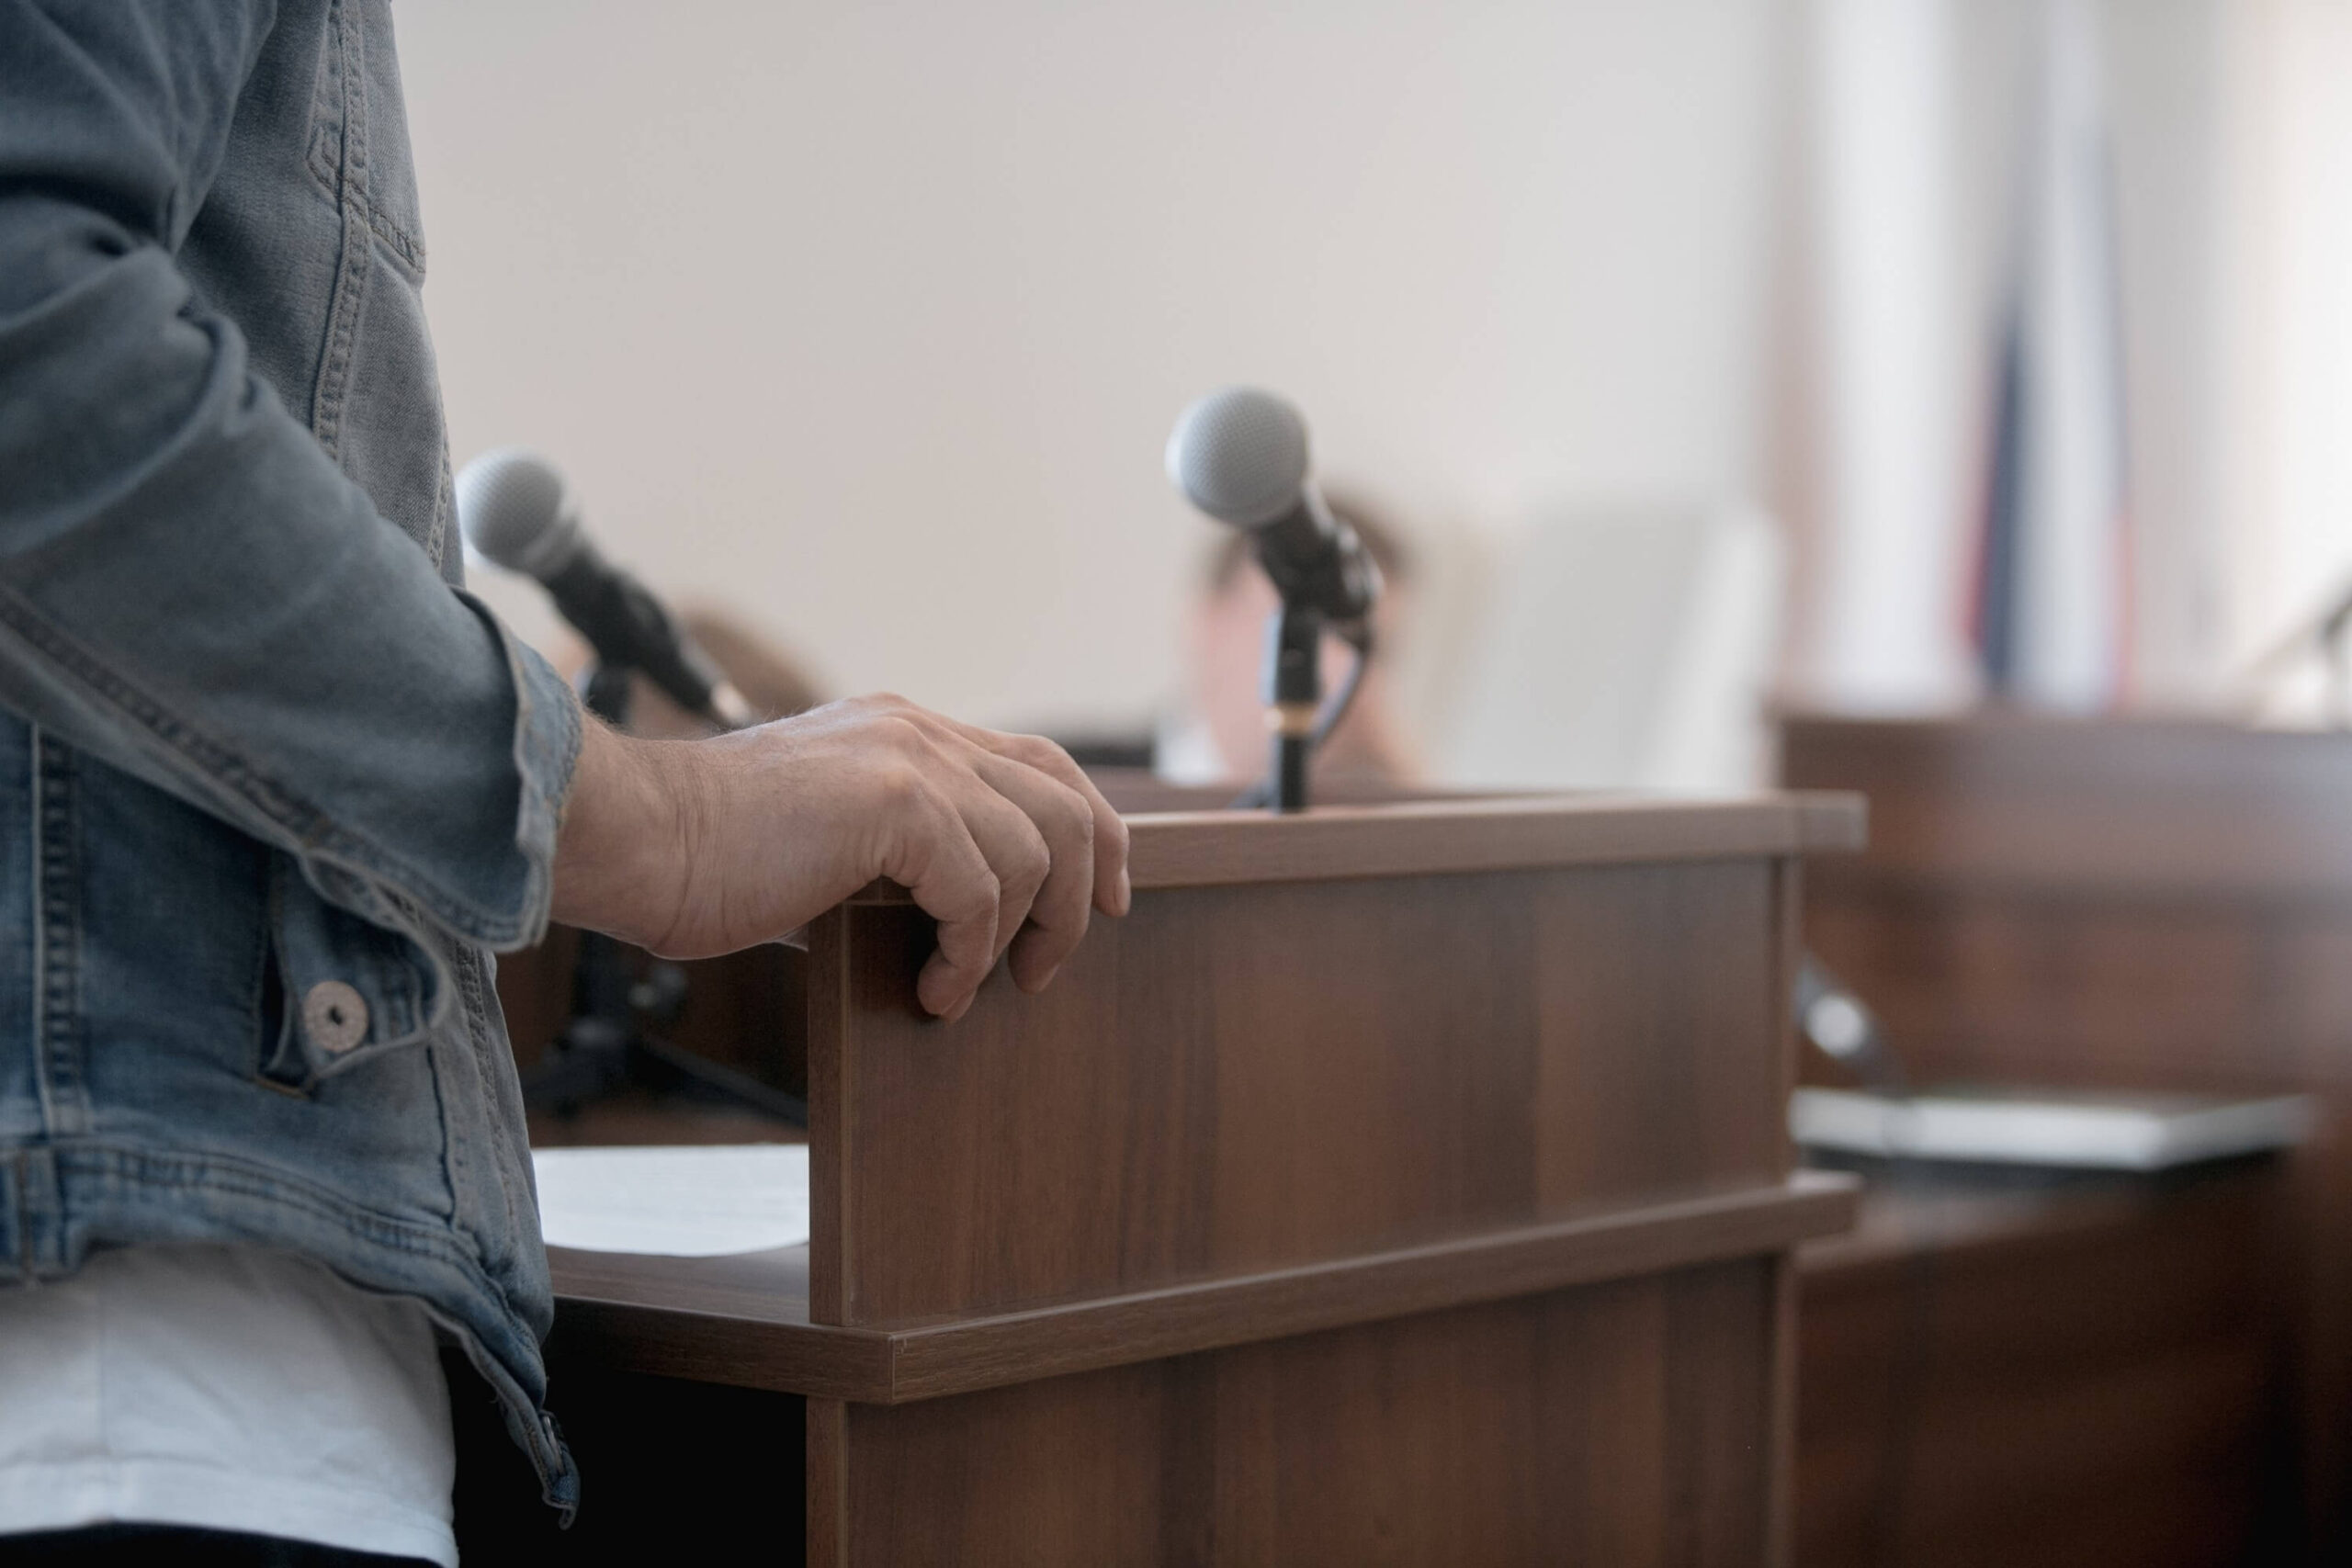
<point>190,588</point>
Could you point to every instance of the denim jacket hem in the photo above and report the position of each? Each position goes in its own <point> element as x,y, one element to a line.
<point>59,1200</point>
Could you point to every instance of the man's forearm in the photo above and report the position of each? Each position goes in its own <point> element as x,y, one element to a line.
<point>190,588</point>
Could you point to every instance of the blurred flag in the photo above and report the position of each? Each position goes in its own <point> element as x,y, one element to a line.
<point>2051,606</point>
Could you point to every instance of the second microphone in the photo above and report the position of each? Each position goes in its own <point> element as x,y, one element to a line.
<point>516,509</point>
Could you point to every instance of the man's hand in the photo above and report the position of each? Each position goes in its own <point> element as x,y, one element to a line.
<point>690,848</point>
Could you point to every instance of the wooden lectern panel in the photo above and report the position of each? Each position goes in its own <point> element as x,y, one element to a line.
<point>1301,1071</point>
<point>1616,1424</point>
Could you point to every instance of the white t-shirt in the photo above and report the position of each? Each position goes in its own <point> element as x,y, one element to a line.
<point>225,1388</point>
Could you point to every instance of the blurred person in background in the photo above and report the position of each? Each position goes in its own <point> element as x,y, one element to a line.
<point>272,789</point>
<point>1219,736</point>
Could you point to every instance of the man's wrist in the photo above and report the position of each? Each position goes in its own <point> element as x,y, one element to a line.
<point>619,843</point>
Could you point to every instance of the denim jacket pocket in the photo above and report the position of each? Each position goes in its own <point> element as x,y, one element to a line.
<point>351,990</point>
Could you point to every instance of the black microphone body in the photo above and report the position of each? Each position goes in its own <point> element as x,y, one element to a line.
<point>1315,560</point>
<point>630,631</point>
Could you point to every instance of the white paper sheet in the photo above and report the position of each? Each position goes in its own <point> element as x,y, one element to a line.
<point>677,1202</point>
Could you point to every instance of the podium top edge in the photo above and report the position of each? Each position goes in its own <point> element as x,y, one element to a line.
<point>1434,837</point>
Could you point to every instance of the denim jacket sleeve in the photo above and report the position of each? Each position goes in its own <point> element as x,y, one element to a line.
<point>190,587</point>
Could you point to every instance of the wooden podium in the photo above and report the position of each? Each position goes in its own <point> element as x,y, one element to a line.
<point>1399,1184</point>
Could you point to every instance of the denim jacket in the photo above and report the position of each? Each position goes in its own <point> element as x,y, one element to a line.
<point>271,784</point>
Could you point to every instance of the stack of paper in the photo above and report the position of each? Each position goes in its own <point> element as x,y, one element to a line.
<point>680,1201</point>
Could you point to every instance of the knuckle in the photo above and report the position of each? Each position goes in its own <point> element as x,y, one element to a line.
<point>1030,869</point>
<point>914,713</point>
<point>900,787</point>
<point>1047,757</point>
<point>986,894</point>
<point>887,707</point>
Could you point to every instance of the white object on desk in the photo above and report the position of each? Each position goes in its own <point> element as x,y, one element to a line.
<point>2048,1127</point>
<point>681,1201</point>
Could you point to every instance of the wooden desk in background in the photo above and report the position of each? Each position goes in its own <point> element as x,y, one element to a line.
<point>2031,1371</point>
<point>2133,906</point>
<point>1391,1186</point>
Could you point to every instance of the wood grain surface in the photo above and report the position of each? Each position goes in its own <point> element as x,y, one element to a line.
<point>1215,848</point>
<point>2084,1371</point>
<point>2075,805</point>
<point>745,1320</point>
<point>1619,1424</point>
<point>2139,907</point>
<point>1233,1079</point>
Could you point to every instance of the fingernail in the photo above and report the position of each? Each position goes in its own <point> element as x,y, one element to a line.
<point>927,988</point>
<point>1126,892</point>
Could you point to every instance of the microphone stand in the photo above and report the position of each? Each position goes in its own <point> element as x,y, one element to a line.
<point>1293,686</point>
<point>1293,691</point>
<point>610,1042</point>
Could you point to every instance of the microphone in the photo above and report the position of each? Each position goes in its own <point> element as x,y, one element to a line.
<point>1240,456</point>
<point>516,509</point>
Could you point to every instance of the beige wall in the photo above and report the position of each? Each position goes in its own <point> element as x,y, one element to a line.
<point>872,318</point>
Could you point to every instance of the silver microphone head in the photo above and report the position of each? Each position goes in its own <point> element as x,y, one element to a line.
<point>516,511</point>
<point>1240,456</point>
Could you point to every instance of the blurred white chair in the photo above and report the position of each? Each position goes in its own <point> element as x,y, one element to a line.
<point>1627,647</point>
